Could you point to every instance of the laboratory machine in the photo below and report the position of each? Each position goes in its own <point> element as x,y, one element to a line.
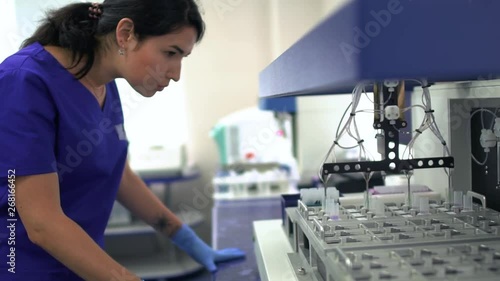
<point>444,222</point>
<point>256,158</point>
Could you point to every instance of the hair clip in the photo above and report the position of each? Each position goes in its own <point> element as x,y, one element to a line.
<point>95,11</point>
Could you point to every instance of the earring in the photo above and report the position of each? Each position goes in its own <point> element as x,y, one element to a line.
<point>121,51</point>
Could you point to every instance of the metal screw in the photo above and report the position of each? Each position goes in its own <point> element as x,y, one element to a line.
<point>301,271</point>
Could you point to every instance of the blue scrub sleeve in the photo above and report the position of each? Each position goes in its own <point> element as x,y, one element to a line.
<point>27,124</point>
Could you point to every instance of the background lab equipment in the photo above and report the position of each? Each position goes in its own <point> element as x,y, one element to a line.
<point>255,154</point>
<point>256,166</point>
<point>449,62</point>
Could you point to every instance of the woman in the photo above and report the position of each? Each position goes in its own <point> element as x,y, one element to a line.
<point>63,159</point>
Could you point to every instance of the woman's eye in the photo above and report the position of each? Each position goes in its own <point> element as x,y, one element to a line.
<point>170,53</point>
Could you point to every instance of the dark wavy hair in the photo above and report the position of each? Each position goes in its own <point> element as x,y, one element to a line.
<point>70,27</point>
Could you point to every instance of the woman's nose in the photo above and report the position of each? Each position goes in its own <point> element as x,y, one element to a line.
<point>175,72</point>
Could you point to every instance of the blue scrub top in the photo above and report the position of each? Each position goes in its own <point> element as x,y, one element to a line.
<point>49,122</point>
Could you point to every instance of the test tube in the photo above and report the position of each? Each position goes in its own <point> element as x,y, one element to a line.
<point>424,205</point>
<point>408,175</point>
<point>450,189</point>
<point>335,212</point>
<point>332,203</point>
<point>467,203</point>
<point>336,195</point>
<point>323,197</point>
<point>367,200</point>
<point>379,208</point>
<point>332,209</point>
<point>414,201</point>
<point>408,199</point>
<point>328,206</point>
<point>457,198</point>
<point>367,192</point>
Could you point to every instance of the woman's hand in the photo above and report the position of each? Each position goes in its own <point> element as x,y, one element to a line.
<point>187,240</point>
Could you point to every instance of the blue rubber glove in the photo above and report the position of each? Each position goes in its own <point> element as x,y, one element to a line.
<point>187,240</point>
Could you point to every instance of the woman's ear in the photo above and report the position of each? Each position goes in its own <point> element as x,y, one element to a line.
<point>125,32</point>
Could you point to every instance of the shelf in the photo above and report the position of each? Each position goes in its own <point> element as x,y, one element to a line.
<point>446,40</point>
<point>167,176</point>
<point>135,228</point>
<point>165,265</point>
<point>229,196</point>
<point>246,196</point>
<point>191,218</point>
<point>159,173</point>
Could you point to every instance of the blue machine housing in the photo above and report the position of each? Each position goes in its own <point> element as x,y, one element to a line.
<point>445,40</point>
<point>281,104</point>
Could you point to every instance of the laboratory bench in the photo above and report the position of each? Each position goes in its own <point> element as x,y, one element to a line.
<point>232,227</point>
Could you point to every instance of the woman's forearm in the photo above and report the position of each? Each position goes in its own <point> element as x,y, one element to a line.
<point>143,203</point>
<point>66,241</point>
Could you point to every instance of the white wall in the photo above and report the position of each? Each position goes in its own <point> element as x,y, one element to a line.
<point>8,23</point>
<point>19,19</point>
<point>290,20</point>
<point>317,121</point>
<point>156,126</point>
<point>329,6</point>
<point>243,37</point>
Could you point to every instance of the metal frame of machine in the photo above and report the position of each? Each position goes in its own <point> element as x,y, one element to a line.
<point>403,245</point>
<point>389,97</point>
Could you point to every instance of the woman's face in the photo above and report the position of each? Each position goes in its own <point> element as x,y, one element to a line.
<point>151,65</point>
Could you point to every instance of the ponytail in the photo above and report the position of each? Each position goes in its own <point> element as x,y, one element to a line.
<point>70,27</point>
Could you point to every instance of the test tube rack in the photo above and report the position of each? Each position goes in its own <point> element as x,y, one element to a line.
<point>446,243</point>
